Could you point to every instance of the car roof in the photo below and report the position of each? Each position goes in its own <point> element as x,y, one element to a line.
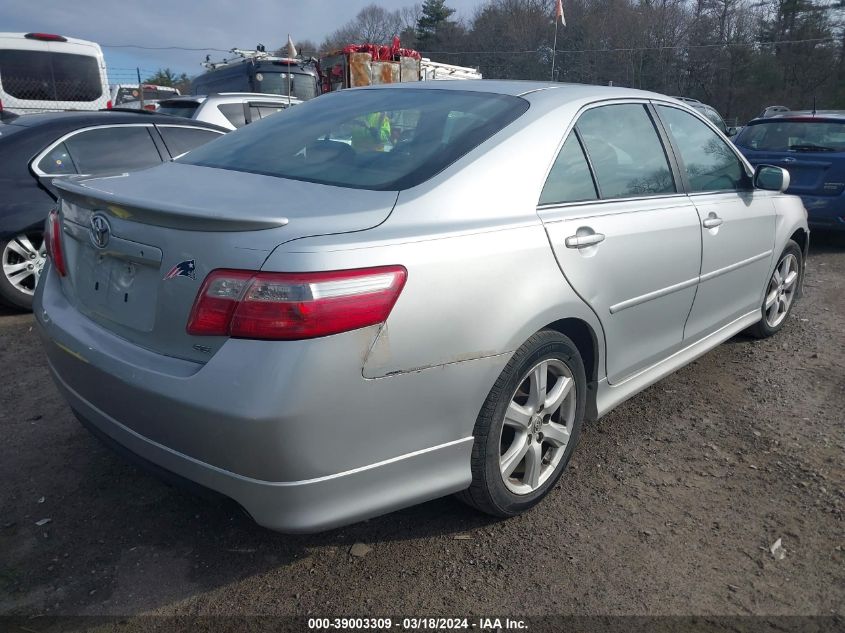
<point>803,115</point>
<point>95,117</point>
<point>63,122</point>
<point>520,88</point>
<point>245,95</point>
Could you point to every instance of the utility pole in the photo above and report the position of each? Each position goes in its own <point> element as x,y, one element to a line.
<point>140,87</point>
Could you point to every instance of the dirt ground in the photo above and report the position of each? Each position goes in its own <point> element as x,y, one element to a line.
<point>670,506</point>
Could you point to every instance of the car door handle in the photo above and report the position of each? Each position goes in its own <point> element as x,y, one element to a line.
<point>712,222</point>
<point>580,241</point>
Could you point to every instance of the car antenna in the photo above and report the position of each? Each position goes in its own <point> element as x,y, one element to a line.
<point>814,104</point>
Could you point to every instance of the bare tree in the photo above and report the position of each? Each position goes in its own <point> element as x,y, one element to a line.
<point>373,24</point>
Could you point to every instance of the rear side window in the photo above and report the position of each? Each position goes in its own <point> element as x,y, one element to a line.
<point>234,113</point>
<point>183,139</point>
<point>776,135</point>
<point>709,163</point>
<point>625,151</point>
<point>570,179</point>
<point>47,76</point>
<point>112,150</point>
<point>387,139</point>
<point>57,162</point>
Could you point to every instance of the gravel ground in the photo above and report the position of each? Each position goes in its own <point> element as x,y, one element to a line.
<point>670,506</point>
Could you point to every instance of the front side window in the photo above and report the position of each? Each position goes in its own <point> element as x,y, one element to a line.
<point>570,179</point>
<point>112,150</point>
<point>709,163</point>
<point>625,151</point>
<point>46,76</point>
<point>388,139</point>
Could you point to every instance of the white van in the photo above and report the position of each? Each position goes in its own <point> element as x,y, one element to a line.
<point>42,72</point>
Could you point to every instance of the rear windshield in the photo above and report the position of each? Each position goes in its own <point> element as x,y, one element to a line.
<point>387,139</point>
<point>130,95</point>
<point>47,76</point>
<point>775,135</point>
<point>178,108</point>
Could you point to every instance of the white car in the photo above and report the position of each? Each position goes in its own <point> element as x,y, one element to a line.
<point>227,109</point>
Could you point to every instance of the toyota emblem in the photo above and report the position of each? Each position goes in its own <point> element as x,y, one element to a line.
<point>100,230</point>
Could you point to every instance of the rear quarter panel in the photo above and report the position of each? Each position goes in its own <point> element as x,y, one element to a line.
<point>482,277</point>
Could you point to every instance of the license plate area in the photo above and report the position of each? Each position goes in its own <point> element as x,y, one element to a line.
<point>119,283</point>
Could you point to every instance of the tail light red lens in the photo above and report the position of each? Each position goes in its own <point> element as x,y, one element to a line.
<point>53,237</point>
<point>289,306</point>
<point>45,37</point>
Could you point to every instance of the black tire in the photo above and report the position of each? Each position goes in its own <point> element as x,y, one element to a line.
<point>9,295</point>
<point>762,329</point>
<point>488,491</point>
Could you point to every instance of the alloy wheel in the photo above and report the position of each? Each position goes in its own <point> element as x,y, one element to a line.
<point>781,290</point>
<point>23,260</point>
<point>537,426</point>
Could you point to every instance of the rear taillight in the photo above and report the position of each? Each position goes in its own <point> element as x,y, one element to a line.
<point>109,105</point>
<point>288,306</point>
<point>53,239</point>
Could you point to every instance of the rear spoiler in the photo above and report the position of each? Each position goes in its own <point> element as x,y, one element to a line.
<point>77,191</point>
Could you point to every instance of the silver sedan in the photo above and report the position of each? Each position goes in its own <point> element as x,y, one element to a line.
<point>391,294</point>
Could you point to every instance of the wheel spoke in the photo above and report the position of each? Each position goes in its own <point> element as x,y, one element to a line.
<point>772,311</point>
<point>514,455</point>
<point>777,277</point>
<point>23,240</point>
<point>771,298</point>
<point>533,464</point>
<point>557,395</point>
<point>790,279</point>
<point>556,434</point>
<point>17,278</point>
<point>10,269</point>
<point>17,248</point>
<point>537,395</point>
<point>517,416</point>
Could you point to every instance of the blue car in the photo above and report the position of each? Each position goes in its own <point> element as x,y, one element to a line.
<point>811,146</point>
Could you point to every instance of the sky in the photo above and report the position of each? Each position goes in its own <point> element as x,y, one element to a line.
<point>211,24</point>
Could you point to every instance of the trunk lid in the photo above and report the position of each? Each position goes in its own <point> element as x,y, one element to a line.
<point>138,246</point>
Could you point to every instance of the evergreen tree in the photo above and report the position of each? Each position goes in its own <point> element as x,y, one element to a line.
<point>432,22</point>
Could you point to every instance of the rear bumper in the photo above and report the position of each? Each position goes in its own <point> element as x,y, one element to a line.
<point>291,431</point>
<point>308,505</point>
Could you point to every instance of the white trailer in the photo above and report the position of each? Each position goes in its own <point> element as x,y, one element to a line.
<point>435,71</point>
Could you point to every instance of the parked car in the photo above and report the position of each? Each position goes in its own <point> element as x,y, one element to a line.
<point>710,112</point>
<point>811,147</point>
<point>40,149</point>
<point>228,109</point>
<point>326,330</point>
<point>129,95</point>
<point>772,111</point>
<point>43,72</point>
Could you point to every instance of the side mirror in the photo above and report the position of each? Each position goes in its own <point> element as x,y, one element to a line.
<point>731,131</point>
<point>771,178</point>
